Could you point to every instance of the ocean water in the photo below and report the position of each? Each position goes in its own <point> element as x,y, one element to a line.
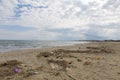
<point>8,45</point>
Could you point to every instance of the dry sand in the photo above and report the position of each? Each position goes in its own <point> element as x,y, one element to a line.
<point>90,61</point>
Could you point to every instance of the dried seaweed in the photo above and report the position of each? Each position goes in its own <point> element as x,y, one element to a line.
<point>61,63</point>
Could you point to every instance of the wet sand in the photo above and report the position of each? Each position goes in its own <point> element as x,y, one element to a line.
<point>89,61</point>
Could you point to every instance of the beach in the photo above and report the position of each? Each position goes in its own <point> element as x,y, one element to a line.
<point>89,61</point>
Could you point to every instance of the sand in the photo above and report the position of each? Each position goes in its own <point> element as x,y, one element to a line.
<point>89,61</point>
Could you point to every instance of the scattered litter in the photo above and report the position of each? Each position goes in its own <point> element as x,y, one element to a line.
<point>59,64</point>
<point>9,68</point>
<point>60,53</point>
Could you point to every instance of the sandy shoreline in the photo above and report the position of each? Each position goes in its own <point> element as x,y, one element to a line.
<point>89,61</point>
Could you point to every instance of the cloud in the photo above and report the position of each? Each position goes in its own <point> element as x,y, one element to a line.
<point>28,35</point>
<point>112,4</point>
<point>81,17</point>
<point>110,31</point>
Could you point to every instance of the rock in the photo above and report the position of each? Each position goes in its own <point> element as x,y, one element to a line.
<point>70,62</point>
<point>79,60</point>
<point>53,66</point>
<point>118,72</point>
<point>87,63</point>
<point>36,72</point>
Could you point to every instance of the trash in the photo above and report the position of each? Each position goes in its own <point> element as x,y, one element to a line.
<point>16,70</point>
<point>36,72</point>
<point>9,68</point>
<point>11,63</point>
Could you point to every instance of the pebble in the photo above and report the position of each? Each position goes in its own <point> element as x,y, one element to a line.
<point>87,63</point>
<point>118,72</point>
<point>79,60</point>
<point>36,72</point>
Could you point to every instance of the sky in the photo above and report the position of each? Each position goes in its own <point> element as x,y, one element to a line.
<point>60,19</point>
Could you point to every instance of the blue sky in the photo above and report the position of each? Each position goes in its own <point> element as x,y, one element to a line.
<point>59,19</point>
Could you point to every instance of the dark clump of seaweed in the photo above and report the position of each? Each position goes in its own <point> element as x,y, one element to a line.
<point>44,54</point>
<point>10,63</point>
<point>101,49</point>
<point>59,53</point>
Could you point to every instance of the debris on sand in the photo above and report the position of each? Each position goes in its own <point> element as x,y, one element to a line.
<point>44,54</point>
<point>102,49</point>
<point>94,58</point>
<point>79,60</point>
<point>59,53</point>
<point>58,64</point>
<point>11,63</point>
<point>9,68</point>
<point>86,63</point>
<point>93,47</point>
<point>30,72</point>
<point>71,51</point>
<point>16,70</point>
<point>13,67</point>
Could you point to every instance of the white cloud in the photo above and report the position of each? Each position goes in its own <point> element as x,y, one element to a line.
<point>27,35</point>
<point>60,14</point>
<point>109,33</point>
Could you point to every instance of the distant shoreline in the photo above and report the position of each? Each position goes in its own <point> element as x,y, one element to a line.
<point>100,40</point>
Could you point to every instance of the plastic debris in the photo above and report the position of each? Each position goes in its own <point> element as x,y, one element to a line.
<point>16,70</point>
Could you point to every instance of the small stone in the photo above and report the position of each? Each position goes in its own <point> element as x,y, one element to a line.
<point>51,52</point>
<point>36,72</point>
<point>118,72</point>
<point>56,74</point>
<point>79,60</point>
<point>70,62</point>
<point>87,63</point>
<point>61,58</point>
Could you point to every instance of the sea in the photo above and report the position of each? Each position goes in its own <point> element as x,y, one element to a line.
<point>9,45</point>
